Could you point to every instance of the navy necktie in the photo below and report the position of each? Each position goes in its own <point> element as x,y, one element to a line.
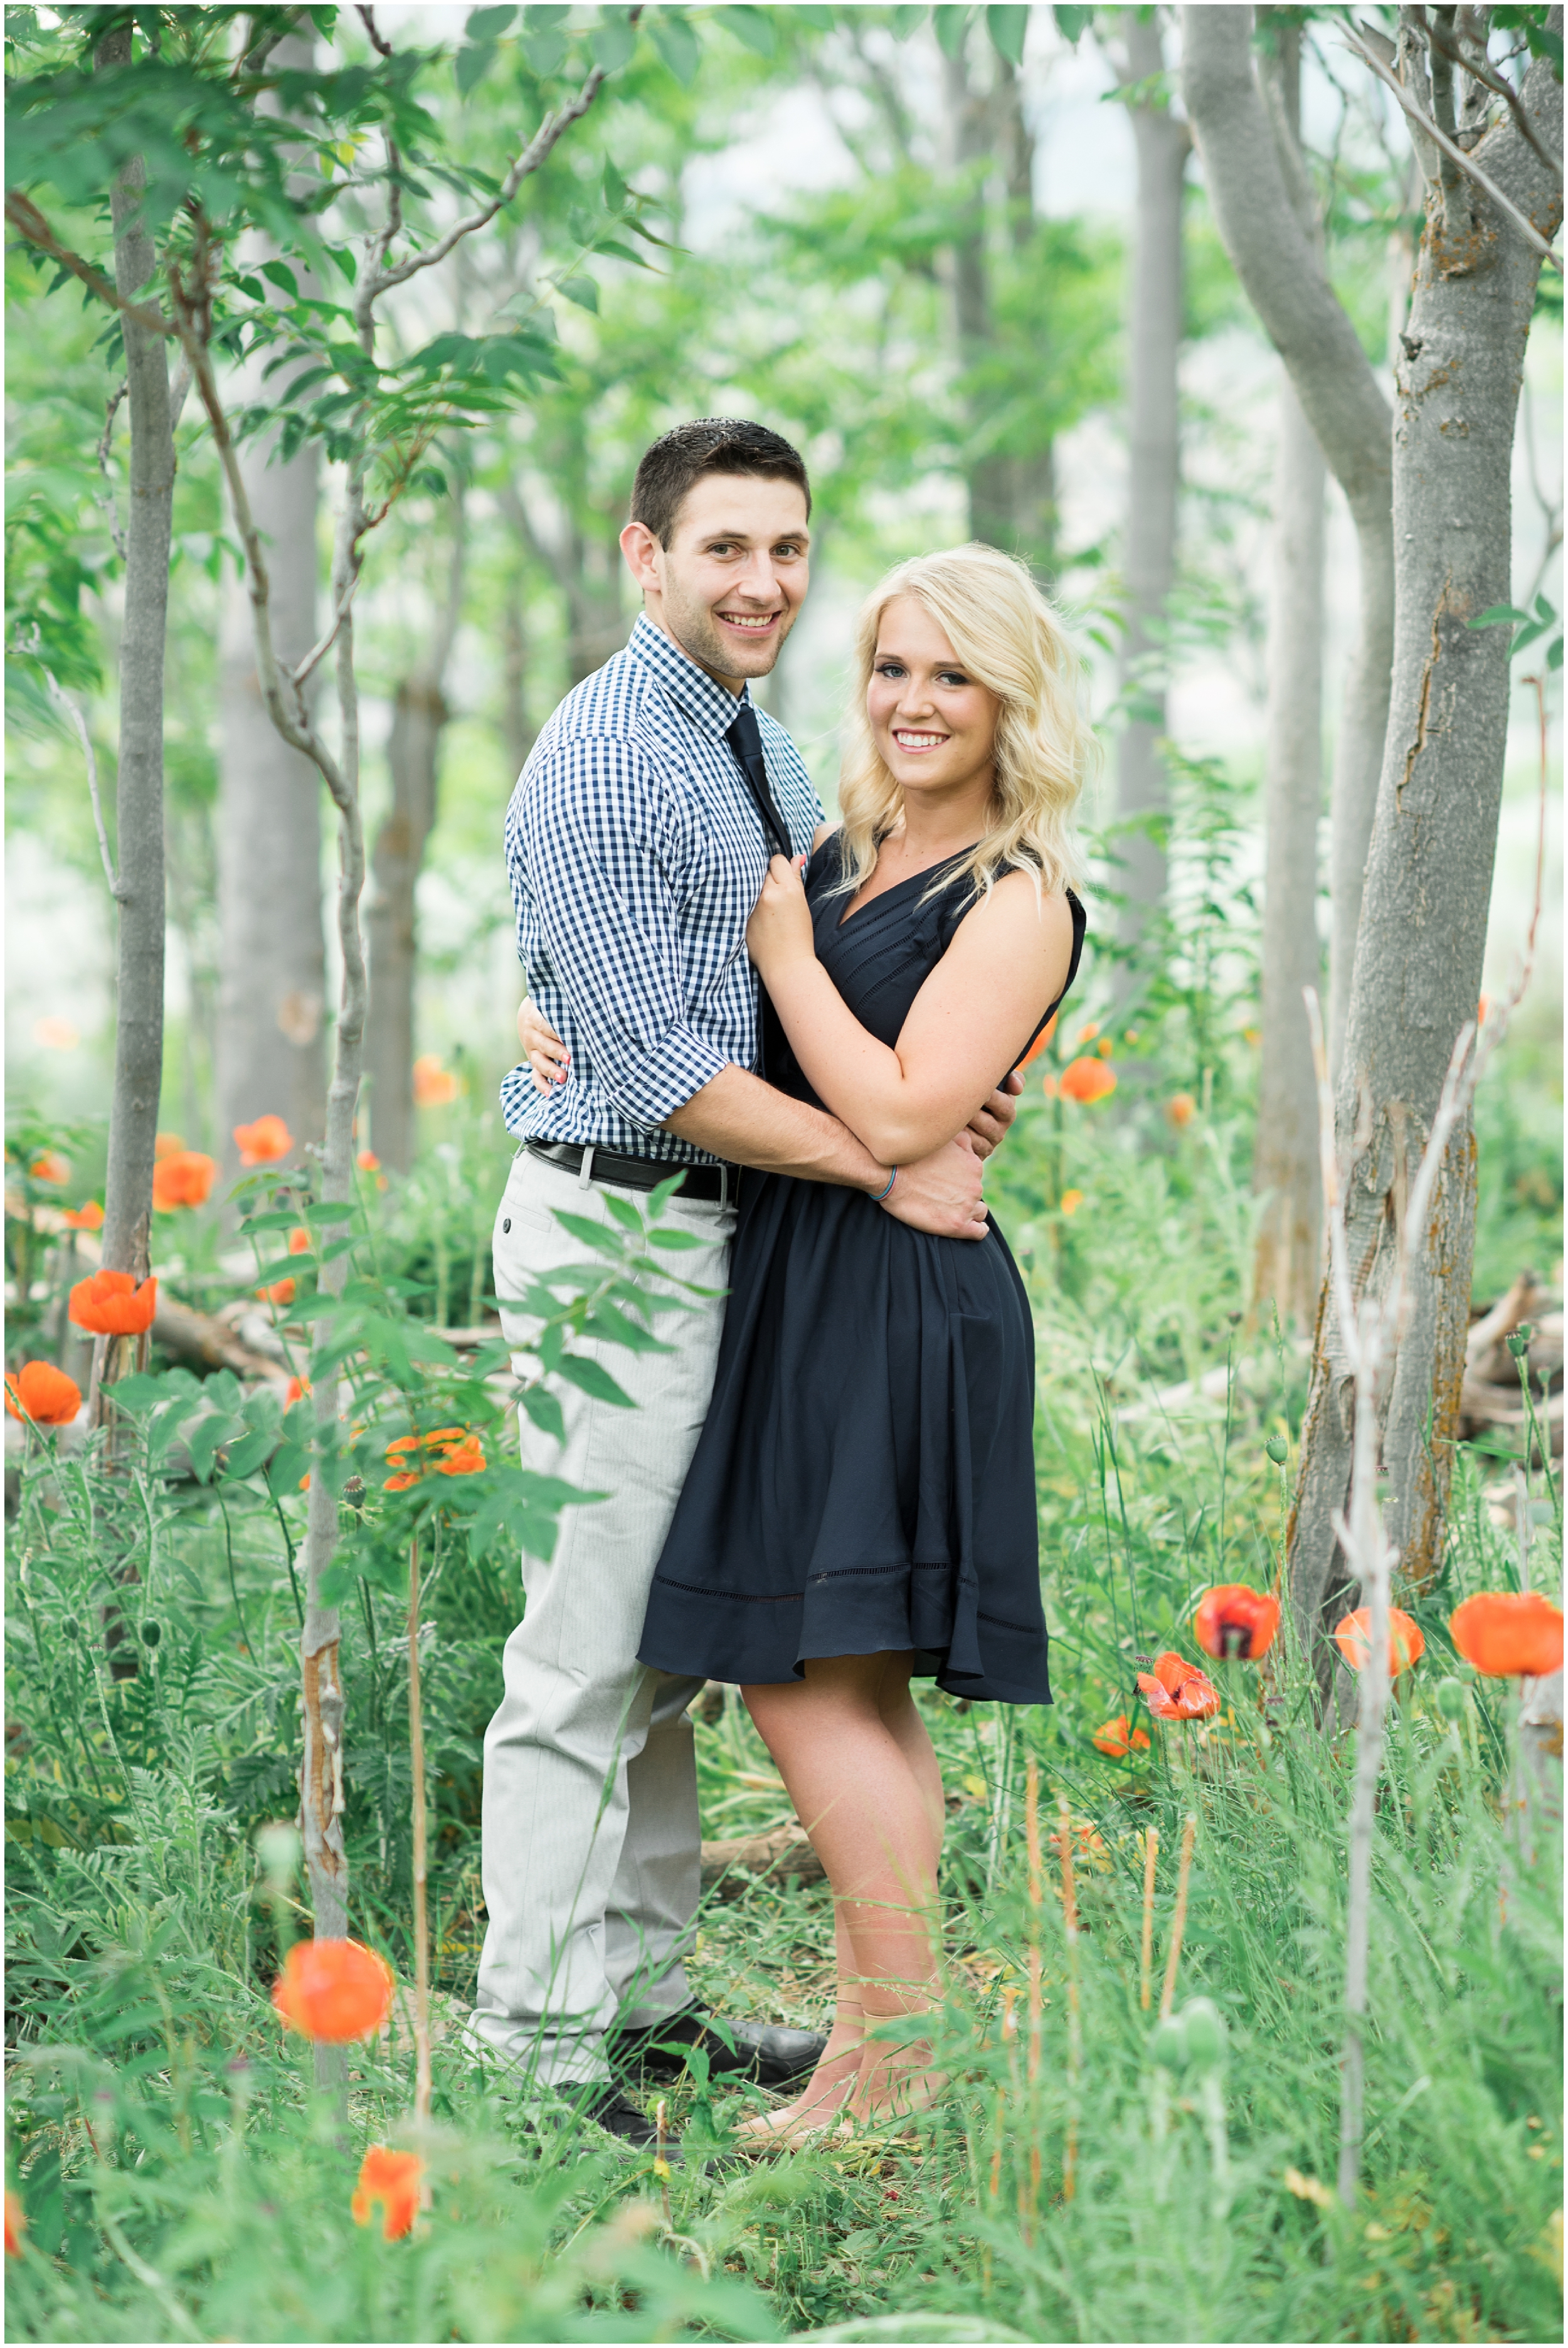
<point>744,738</point>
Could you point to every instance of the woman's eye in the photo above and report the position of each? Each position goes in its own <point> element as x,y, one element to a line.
<point>950,676</point>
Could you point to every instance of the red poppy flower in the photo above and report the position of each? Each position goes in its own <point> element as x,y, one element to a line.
<point>1235,1621</point>
<point>1087,1080</point>
<point>110,1304</point>
<point>1507,1633</point>
<point>1177,1690</point>
<point>264,1143</point>
<point>1118,1738</point>
<point>15,2225</point>
<point>333,1990</point>
<point>183,1178</point>
<point>43,1394</point>
<point>390,2181</point>
<point>1353,1637</point>
<point>89,1217</point>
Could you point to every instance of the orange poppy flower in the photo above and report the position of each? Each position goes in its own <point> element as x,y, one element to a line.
<point>264,1143</point>
<point>167,1145</point>
<point>1042,1040</point>
<point>434,1086</point>
<point>1177,1690</point>
<point>467,1459</point>
<point>1087,1080</point>
<point>1235,1621</point>
<point>390,2181</point>
<point>1353,1637</point>
<point>1118,1738</point>
<point>50,1167</point>
<point>1181,1109</point>
<point>333,1990</point>
<point>1071,1202</point>
<point>89,1217</point>
<point>15,2224</point>
<point>282,1292</point>
<point>43,1394</point>
<point>183,1178</point>
<point>110,1304</point>
<point>298,1389</point>
<point>1105,1046</point>
<point>1051,1085</point>
<point>1086,1033</point>
<point>368,1162</point>
<point>299,1240</point>
<point>449,1451</point>
<point>1507,1633</point>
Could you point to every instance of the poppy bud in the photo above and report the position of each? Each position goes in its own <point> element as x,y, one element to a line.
<point>71,1627</point>
<point>1278,1450</point>
<point>152,1632</point>
<point>1169,2044</point>
<point>1204,2026</point>
<point>1452,1699</point>
<point>1519,1342</point>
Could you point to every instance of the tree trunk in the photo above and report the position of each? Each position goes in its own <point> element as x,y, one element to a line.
<point>1259,220</point>
<point>138,791</point>
<point>272,1053</point>
<point>1149,546</point>
<point>418,716</point>
<point>1284,1158</point>
<point>1429,878</point>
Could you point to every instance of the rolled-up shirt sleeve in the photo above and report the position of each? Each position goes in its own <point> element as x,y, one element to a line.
<point>603,857</point>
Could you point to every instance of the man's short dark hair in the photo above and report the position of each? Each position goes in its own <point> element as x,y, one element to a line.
<point>711,444</point>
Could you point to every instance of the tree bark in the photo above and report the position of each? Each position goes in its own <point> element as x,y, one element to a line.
<point>1284,1157</point>
<point>1283,279</point>
<point>272,1051</point>
<point>138,788</point>
<point>1428,878</point>
<point>1148,548</point>
<point>419,714</point>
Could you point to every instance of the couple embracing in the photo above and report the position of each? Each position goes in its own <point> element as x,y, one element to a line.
<point>828,1485</point>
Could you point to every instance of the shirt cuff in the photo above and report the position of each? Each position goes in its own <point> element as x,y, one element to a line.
<point>663,1079</point>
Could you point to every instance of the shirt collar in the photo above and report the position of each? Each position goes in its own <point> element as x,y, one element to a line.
<point>702,698</point>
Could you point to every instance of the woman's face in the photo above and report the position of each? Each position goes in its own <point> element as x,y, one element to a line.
<point>935,727</point>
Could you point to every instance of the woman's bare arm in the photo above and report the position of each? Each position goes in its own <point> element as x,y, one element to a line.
<point>967,1027</point>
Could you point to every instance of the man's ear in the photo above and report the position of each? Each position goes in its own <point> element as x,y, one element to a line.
<point>641,551</point>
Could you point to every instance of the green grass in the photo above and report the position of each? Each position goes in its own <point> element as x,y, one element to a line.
<point>181,2180</point>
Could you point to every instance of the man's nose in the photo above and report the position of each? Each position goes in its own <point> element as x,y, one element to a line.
<point>759,580</point>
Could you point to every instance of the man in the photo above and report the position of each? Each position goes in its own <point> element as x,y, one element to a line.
<point>637,840</point>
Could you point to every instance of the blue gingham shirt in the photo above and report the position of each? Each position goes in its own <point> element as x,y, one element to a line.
<point>636,853</point>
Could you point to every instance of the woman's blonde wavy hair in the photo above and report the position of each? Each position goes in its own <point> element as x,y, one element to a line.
<point>1008,638</point>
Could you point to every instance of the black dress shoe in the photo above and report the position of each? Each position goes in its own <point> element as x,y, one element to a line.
<point>765,2052</point>
<point>621,2117</point>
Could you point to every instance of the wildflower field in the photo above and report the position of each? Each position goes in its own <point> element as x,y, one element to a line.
<point>1144,1887</point>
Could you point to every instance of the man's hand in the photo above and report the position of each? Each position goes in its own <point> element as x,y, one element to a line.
<point>548,1057</point>
<point>988,1127</point>
<point>941,1194</point>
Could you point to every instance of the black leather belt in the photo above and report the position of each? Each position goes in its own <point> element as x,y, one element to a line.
<point>715,1183</point>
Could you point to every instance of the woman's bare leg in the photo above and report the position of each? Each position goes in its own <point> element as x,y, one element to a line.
<point>853,1752</point>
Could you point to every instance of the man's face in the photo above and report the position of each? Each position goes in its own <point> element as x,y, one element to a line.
<point>728,585</point>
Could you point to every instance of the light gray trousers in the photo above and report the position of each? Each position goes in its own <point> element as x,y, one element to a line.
<point>591,1839</point>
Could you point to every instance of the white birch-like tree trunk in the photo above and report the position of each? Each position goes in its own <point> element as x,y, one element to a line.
<point>1284,1157</point>
<point>1149,545</point>
<point>1282,273</point>
<point>1429,871</point>
<point>271,1048</point>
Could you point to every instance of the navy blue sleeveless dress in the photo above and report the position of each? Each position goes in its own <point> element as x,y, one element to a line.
<point>865,1479</point>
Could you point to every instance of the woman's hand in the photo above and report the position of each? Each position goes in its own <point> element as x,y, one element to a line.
<point>546,1055</point>
<point>779,928</point>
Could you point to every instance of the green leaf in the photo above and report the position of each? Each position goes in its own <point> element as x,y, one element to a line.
<point>1074,23</point>
<point>751,25</point>
<point>1006,28</point>
<point>544,49</point>
<point>285,1468</point>
<point>1554,657</point>
<point>816,20</point>
<point>952,30</point>
<point>594,1381</point>
<point>1499,615</point>
<point>625,1213</point>
<point>608,1320</point>
<point>544,1409</point>
<point>470,66</point>
<point>904,21</point>
<point>580,289</point>
<point>678,45</point>
<point>592,1235</point>
<point>612,187</point>
<point>138,1392</point>
<point>674,1240</point>
<point>242,1458</point>
<point>489,24</point>
<point>612,39</point>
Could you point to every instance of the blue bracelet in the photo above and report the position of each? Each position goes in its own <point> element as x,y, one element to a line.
<point>876,1201</point>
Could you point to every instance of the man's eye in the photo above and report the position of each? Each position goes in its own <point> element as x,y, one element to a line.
<point>722,546</point>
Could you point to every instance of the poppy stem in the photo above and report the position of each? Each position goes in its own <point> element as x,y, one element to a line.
<point>421,1915</point>
<point>1036,2004</point>
<point>1146,1954</point>
<point>1179,1920</point>
<point>1074,2018</point>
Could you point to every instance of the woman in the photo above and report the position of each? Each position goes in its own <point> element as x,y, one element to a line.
<point>861,1505</point>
